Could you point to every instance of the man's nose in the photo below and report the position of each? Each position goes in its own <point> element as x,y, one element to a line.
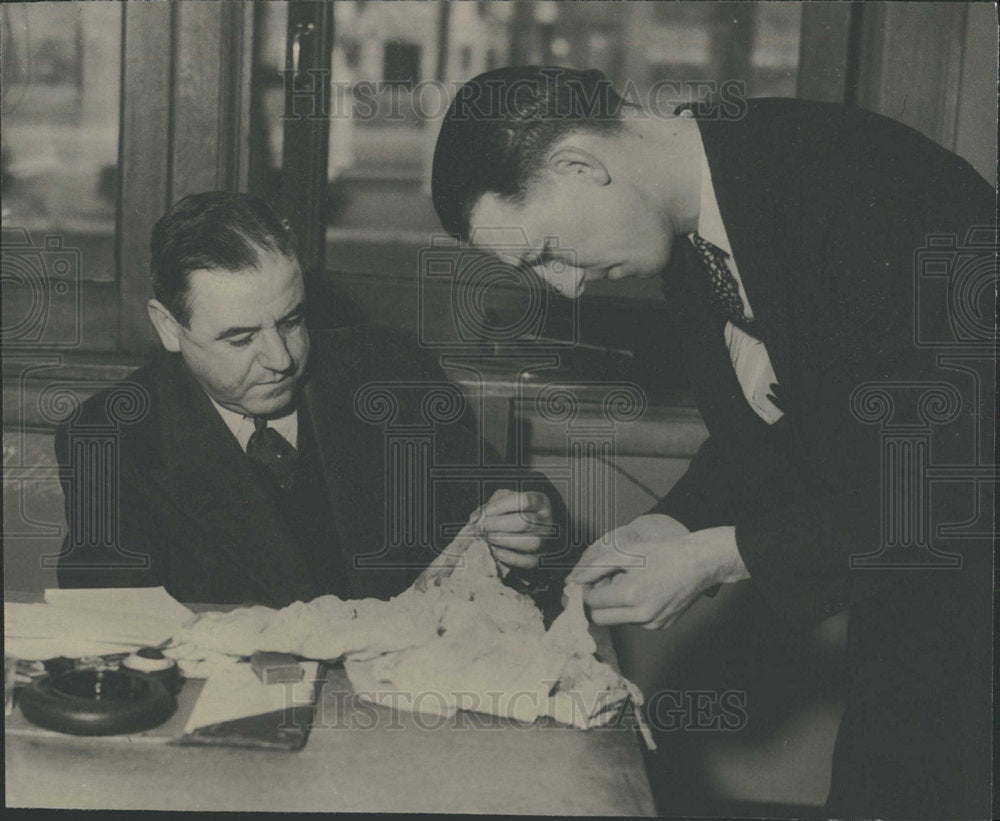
<point>274,352</point>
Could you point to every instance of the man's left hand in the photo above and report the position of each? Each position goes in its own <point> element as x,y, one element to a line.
<point>515,525</point>
<point>655,581</point>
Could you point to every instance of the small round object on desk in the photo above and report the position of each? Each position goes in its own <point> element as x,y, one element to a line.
<point>97,702</point>
<point>152,661</point>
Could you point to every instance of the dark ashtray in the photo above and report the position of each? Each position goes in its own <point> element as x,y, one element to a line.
<point>100,685</point>
<point>97,702</point>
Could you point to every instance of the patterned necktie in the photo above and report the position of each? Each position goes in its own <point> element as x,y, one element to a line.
<point>274,452</point>
<point>724,290</point>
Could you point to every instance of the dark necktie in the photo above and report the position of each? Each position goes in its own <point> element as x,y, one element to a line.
<point>723,289</point>
<point>274,452</point>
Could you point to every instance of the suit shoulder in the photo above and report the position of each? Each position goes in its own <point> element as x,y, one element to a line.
<point>840,121</point>
<point>850,147</point>
<point>790,107</point>
<point>129,404</point>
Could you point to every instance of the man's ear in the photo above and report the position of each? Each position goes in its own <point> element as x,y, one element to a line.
<point>580,164</point>
<point>167,328</point>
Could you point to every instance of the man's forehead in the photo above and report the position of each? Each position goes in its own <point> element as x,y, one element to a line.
<point>221,297</point>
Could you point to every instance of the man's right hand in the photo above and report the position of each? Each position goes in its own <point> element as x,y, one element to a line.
<point>653,527</point>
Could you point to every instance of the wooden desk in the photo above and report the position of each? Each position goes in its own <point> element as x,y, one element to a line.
<point>359,758</point>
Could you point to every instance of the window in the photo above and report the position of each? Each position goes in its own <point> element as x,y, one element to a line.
<point>61,93</point>
<point>381,138</point>
<point>111,112</point>
<point>394,68</point>
<point>401,64</point>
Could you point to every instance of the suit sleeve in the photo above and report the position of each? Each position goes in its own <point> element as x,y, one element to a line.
<point>112,539</point>
<point>861,325</point>
<point>715,490</point>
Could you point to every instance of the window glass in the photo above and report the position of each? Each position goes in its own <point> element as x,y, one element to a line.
<point>61,97</point>
<point>391,60</point>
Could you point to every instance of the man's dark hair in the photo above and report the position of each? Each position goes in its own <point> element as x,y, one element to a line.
<point>500,126</point>
<point>216,231</point>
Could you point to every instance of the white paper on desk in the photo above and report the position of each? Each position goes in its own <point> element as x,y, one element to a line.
<point>236,692</point>
<point>79,626</point>
<point>42,649</point>
<point>150,601</point>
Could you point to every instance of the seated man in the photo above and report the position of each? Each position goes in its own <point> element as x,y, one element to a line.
<point>242,465</point>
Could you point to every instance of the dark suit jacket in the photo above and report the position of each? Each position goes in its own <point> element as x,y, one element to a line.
<point>826,208</point>
<point>192,513</point>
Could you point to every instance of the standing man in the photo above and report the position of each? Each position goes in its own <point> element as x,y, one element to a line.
<point>784,235</point>
<point>242,468</point>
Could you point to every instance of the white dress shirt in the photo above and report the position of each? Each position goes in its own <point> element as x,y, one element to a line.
<point>748,354</point>
<point>242,426</point>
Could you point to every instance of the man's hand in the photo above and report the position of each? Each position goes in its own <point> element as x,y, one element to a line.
<point>515,525</point>
<point>652,570</point>
<point>653,527</point>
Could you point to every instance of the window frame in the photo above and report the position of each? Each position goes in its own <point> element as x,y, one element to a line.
<point>185,127</point>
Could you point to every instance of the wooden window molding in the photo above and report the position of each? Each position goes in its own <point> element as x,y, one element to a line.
<point>184,128</point>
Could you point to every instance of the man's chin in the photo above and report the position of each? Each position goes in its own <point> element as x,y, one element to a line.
<point>277,401</point>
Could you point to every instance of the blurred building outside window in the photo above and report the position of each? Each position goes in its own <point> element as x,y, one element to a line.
<point>387,101</point>
<point>60,108</point>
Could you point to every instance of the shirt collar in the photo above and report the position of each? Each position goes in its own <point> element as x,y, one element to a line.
<point>710,224</point>
<point>242,426</point>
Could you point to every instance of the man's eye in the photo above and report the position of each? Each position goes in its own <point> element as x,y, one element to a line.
<point>291,323</point>
<point>242,342</point>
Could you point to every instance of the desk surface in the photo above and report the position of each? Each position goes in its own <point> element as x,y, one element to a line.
<point>359,757</point>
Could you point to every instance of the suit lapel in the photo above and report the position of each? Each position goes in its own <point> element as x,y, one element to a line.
<point>707,360</point>
<point>727,414</point>
<point>349,454</point>
<point>208,474</point>
<point>745,195</point>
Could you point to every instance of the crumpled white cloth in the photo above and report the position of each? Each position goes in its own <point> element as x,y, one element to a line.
<point>457,639</point>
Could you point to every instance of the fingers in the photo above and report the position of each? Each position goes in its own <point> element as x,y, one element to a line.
<point>510,501</point>
<point>623,599</point>
<point>515,531</point>
<point>513,558</point>
<point>613,601</point>
<point>518,522</point>
<point>611,616</point>
<point>514,523</point>
<point>610,601</point>
<point>594,565</point>
<point>602,559</point>
<point>517,542</point>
